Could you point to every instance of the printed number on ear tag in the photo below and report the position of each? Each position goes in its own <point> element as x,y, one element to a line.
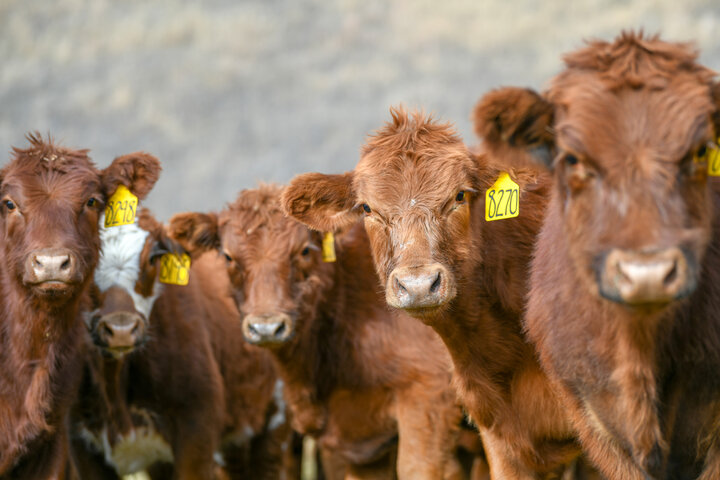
<point>713,159</point>
<point>502,199</point>
<point>175,270</point>
<point>328,247</point>
<point>121,208</point>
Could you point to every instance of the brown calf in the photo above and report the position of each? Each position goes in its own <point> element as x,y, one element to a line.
<point>423,199</point>
<point>171,380</point>
<point>51,201</point>
<point>625,303</point>
<point>357,376</point>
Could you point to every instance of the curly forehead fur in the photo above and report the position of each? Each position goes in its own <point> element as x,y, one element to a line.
<point>636,60</point>
<point>255,208</point>
<point>413,156</point>
<point>45,155</point>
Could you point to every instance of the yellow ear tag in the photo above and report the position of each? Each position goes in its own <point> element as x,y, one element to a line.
<point>713,159</point>
<point>121,208</point>
<point>175,270</point>
<point>502,200</point>
<point>328,247</point>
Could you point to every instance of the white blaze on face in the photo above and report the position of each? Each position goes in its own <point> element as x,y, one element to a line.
<point>119,265</point>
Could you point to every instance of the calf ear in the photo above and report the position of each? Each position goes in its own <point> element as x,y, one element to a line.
<point>517,118</point>
<point>137,171</point>
<point>195,232</point>
<point>322,202</point>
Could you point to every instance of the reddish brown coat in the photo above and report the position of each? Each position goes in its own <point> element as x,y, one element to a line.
<point>190,390</point>
<point>357,375</point>
<point>624,122</point>
<point>422,195</point>
<point>51,201</point>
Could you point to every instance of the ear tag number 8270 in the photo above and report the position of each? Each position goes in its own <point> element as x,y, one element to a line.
<point>121,208</point>
<point>502,199</point>
<point>174,269</point>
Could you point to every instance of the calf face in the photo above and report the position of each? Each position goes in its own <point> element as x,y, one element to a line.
<point>127,284</point>
<point>52,198</point>
<point>629,160</point>
<point>413,186</point>
<point>274,263</point>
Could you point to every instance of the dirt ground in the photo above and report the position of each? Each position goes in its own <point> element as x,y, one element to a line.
<point>227,93</point>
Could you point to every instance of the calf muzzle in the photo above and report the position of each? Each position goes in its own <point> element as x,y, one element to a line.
<point>419,289</point>
<point>268,328</point>
<point>645,278</point>
<point>120,332</point>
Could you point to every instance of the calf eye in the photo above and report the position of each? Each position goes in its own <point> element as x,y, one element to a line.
<point>227,257</point>
<point>367,208</point>
<point>571,159</point>
<point>460,197</point>
<point>702,151</point>
<point>10,205</point>
<point>92,202</point>
<point>305,252</point>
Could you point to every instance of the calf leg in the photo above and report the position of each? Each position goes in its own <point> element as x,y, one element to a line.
<point>503,461</point>
<point>428,430</point>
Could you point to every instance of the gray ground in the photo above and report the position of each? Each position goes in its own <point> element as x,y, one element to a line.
<point>227,92</point>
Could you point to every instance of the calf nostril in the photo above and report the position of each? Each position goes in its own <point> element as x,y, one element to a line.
<point>435,286</point>
<point>399,286</point>
<point>135,329</point>
<point>65,264</point>
<point>280,329</point>
<point>672,274</point>
<point>252,329</point>
<point>107,330</point>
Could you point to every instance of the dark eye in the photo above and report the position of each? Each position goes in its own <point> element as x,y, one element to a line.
<point>10,205</point>
<point>92,202</point>
<point>367,208</point>
<point>305,252</point>
<point>701,151</point>
<point>227,257</point>
<point>460,197</point>
<point>571,159</point>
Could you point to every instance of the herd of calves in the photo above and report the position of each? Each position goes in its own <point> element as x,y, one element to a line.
<point>543,305</point>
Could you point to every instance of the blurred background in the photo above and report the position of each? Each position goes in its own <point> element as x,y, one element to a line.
<point>229,92</point>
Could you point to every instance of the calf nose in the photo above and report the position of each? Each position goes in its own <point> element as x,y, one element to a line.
<point>50,264</point>
<point>121,331</point>
<point>420,287</point>
<point>269,328</point>
<point>636,278</point>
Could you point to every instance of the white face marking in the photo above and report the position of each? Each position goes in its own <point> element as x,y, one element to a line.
<point>119,265</point>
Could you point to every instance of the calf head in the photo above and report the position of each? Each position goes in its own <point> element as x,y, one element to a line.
<point>625,129</point>
<point>413,186</point>
<point>127,284</point>
<point>274,262</point>
<point>52,198</point>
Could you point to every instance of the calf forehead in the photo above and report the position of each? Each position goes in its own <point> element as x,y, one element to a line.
<point>633,128</point>
<point>406,179</point>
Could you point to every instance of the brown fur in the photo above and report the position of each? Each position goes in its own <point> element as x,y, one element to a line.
<point>357,375</point>
<point>195,380</point>
<point>50,187</point>
<point>409,175</point>
<point>640,383</point>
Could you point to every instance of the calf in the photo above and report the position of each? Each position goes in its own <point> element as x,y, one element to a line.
<point>51,201</point>
<point>625,288</point>
<point>357,376</point>
<point>170,380</point>
<point>422,196</point>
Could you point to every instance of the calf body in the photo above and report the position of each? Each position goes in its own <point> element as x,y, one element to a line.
<point>51,201</point>
<point>357,376</point>
<point>422,196</point>
<point>624,293</point>
<point>169,379</point>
